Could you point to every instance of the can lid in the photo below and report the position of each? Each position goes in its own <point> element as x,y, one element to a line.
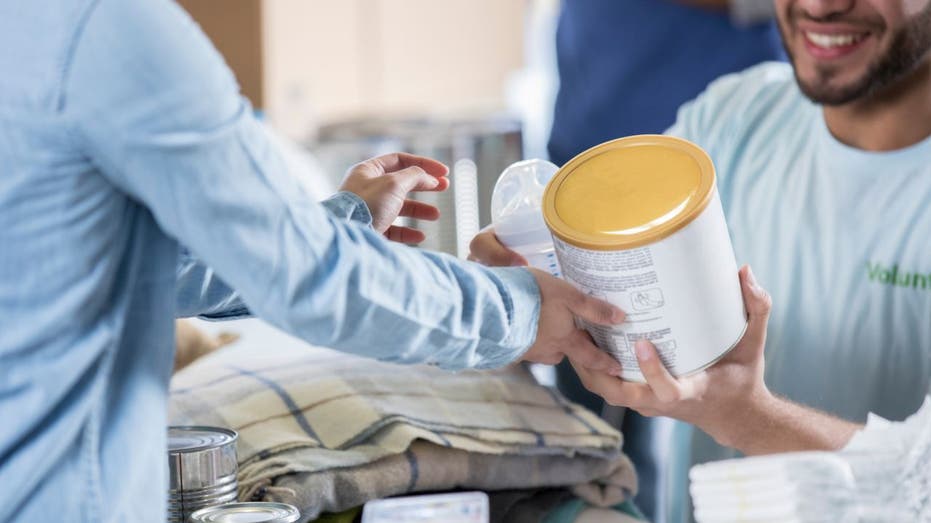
<point>251,512</point>
<point>629,192</point>
<point>201,458</point>
<point>198,438</point>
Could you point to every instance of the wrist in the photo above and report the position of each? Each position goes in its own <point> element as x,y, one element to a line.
<point>746,423</point>
<point>521,298</point>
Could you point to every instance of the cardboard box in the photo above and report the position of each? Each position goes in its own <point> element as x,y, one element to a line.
<point>309,61</point>
<point>235,27</point>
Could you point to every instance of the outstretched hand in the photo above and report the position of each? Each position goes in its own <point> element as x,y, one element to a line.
<point>557,333</point>
<point>385,182</point>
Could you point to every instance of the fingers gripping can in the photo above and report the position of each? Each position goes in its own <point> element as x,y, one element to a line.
<point>638,222</point>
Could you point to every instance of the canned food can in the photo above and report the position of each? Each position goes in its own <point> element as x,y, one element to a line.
<point>202,469</point>
<point>638,222</point>
<point>253,512</point>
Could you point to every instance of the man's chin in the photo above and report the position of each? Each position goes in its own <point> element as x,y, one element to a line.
<point>827,97</point>
<point>824,93</point>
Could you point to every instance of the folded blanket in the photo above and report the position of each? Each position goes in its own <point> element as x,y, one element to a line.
<point>328,431</point>
<point>525,506</point>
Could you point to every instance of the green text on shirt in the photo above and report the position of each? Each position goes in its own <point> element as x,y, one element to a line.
<point>893,276</point>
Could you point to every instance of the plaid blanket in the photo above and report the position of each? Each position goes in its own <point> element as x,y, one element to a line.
<point>328,431</point>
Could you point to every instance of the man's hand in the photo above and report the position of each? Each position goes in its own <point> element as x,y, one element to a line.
<point>721,400</point>
<point>714,400</point>
<point>384,183</point>
<point>487,250</point>
<point>557,334</point>
<point>729,400</point>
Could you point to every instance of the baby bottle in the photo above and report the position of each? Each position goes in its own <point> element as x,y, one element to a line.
<point>517,215</point>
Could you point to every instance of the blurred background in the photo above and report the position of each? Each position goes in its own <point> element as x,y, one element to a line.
<point>469,82</point>
<point>457,79</point>
<point>306,63</point>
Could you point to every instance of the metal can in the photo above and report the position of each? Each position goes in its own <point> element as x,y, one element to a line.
<point>253,512</point>
<point>638,222</point>
<point>202,469</point>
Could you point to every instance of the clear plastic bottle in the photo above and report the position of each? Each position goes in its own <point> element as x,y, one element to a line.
<point>517,213</point>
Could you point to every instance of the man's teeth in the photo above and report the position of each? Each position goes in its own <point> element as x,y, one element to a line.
<point>832,40</point>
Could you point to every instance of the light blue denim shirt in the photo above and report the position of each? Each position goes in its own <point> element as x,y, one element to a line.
<point>127,155</point>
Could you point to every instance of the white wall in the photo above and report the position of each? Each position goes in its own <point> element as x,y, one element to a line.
<point>328,59</point>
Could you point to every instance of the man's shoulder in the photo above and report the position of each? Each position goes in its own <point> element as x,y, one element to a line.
<point>753,92</point>
<point>763,78</point>
<point>739,103</point>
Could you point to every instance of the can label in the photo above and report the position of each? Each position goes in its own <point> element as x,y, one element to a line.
<point>680,293</point>
<point>629,280</point>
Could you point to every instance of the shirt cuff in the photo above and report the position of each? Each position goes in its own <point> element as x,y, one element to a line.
<point>521,296</point>
<point>348,206</point>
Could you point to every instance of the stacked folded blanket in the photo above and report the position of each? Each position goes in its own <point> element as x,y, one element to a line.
<point>327,431</point>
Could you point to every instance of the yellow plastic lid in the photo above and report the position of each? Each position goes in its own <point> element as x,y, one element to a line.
<point>628,192</point>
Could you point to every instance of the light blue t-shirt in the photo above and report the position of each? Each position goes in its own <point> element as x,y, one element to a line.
<point>840,237</point>
<point>126,155</point>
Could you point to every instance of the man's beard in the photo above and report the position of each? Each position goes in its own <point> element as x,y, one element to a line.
<point>909,47</point>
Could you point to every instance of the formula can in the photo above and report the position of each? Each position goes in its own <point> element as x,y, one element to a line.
<point>251,512</point>
<point>202,469</point>
<point>638,222</point>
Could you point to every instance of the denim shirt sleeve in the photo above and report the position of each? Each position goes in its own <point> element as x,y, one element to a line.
<point>159,114</point>
<point>348,206</point>
<point>200,292</point>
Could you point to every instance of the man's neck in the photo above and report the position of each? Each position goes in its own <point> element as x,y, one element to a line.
<point>894,118</point>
